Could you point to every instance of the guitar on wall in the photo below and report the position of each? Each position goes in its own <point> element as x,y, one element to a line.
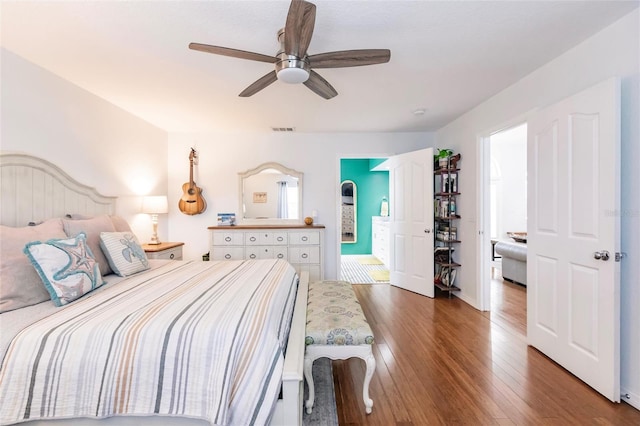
<point>191,201</point>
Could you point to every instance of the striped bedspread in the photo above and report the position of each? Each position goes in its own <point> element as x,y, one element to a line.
<point>194,339</point>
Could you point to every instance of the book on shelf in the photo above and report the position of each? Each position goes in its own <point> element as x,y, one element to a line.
<point>449,183</point>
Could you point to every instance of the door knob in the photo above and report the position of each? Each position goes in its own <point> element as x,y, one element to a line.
<point>601,255</point>
<point>427,231</point>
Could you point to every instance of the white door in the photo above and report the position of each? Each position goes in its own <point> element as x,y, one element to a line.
<point>411,212</point>
<point>573,288</point>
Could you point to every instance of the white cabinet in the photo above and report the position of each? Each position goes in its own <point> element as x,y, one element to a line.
<point>302,246</point>
<point>380,239</point>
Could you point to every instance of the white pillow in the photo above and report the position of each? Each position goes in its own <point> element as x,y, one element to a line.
<point>66,266</point>
<point>124,253</point>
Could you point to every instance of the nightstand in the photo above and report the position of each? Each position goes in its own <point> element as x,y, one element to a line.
<point>168,251</point>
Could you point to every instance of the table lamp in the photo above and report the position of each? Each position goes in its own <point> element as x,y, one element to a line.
<point>155,205</point>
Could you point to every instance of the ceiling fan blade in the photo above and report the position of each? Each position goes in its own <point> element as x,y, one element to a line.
<point>308,25</point>
<point>299,27</point>
<point>259,84</point>
<point>350,58</point>
<point>234,53</point>
<point>320,86</point>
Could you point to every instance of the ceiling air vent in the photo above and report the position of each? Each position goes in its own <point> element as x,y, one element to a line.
<point>283,129</point>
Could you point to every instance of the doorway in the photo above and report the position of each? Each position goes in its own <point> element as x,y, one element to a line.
<point>363,192</point>
<point>504,194</point>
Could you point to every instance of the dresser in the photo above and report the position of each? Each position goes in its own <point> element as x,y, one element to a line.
<point>380,234</point>
<point>300,245</point>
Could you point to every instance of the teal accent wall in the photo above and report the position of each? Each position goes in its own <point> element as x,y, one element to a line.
<point>371,187</point>
<point>373,162</point>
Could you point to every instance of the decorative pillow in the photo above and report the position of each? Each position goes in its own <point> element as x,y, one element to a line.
<point>20,285</point>
<point>66,266</point>
<point>120,224</point>
<point>92,228</point>
<point>125,255</point>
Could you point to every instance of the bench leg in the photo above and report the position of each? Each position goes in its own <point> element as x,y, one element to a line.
<point>308,375</point>
<point>371,367</point>
<point>363,352</point>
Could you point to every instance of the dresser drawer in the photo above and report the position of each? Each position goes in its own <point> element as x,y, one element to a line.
<point>228,238</point>
<point>165,251</point>
<point>304,238</point>
<point>227,253</point>
<point>265,238</point>
<point>266,252</point>
<point>169,254</point>
<point>304,254</point>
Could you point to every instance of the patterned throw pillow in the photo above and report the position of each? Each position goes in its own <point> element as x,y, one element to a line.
<point>66,266</point>
<point>124,253</point>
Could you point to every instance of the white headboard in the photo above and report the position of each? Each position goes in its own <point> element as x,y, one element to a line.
<point>33,189</point>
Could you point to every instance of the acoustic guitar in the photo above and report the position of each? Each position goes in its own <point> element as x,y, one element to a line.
<point>191,201</point>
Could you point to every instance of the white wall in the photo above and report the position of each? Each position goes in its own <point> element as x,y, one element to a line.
<point>95,142</point>
<point>612,52</point>
<point>223,156</point>
<point>509,151</point>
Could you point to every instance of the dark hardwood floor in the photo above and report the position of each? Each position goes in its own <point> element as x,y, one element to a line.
<point>440,361</point>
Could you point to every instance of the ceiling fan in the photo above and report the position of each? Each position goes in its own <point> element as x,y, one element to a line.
<point>292,64</point>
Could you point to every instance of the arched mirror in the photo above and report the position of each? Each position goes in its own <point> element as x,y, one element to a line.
<point>348,208</point>
<point>270,193</point>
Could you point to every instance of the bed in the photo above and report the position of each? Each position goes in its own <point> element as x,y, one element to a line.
<point>181,342</point>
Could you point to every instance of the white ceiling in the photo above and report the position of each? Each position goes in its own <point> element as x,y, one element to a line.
<point>446,57</point>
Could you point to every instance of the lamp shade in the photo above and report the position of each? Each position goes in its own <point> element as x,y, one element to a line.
<point>155,204</point>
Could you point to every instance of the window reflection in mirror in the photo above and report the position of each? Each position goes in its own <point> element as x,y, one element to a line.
<point>349,223</point>
<point>271,192</point>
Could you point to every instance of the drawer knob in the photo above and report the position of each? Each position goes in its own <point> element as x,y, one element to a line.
<point>172,255</point>
<point>227,239</point>
<point>305,238</point>
<point>252,239</point>
<point>305,255</point>
<point>280,255</point>
<point>227,256</point>
<point>280,239</point>
<point>252,256</point>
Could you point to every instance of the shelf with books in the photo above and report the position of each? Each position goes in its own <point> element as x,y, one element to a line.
<point>446,191</point>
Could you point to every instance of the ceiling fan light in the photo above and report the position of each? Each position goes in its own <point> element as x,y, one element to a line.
<point>293,75</point>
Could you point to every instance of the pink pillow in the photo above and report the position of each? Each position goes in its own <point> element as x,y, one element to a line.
<point>20,284</point>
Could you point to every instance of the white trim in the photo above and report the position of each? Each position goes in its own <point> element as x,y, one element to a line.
<point>633,399</point>
<point>483,240</point>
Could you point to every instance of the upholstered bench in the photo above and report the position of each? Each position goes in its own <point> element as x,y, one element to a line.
<point>336,329</point>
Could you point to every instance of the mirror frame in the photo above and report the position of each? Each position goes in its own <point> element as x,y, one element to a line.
<point>274,220</point>
<point>355,211</point>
